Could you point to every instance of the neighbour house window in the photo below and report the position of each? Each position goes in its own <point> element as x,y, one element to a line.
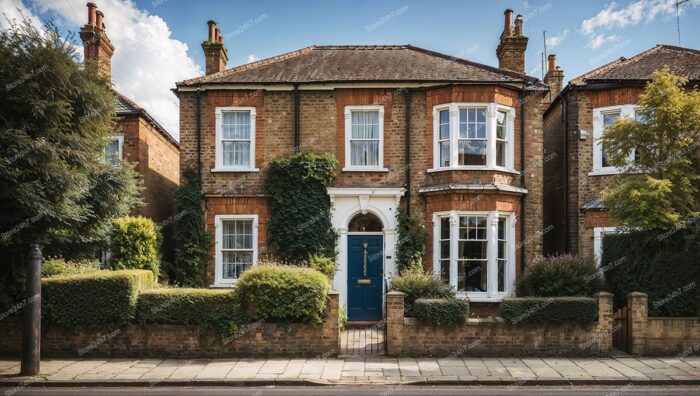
<point>235,135</point>
<point>474,252</point>
<point>364,138</point>
<point>114,151</point>
<point>602,118</point>
<point>236,246</point>
<point>473,136</point>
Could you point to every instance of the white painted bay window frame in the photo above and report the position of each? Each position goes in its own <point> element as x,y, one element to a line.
<point>491,294</point>
<point>219,155</point>
<point>491,114</point>
<point>626,112</point>
<point>219,280</point>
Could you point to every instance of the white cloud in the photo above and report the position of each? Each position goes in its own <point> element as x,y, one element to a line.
<point>597,41</point>
<point>12,10</point>
<point>147,61</point>
<point>252,58</point>
<point>557,39</point>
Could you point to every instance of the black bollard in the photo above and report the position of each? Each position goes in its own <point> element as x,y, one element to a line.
<point>31,331</point>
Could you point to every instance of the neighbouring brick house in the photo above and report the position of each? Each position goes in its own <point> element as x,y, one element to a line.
<point>573,124</point>
<point>456,143</point>
<point>137,136</point>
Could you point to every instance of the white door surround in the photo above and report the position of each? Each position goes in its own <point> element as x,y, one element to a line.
<point>346,202</point>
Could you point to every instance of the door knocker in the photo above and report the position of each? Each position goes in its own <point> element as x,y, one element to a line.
<point>364,260</point>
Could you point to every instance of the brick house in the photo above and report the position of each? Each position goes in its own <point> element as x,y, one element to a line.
<point>573,123</point>
<point>137,136</point>
<point>455,143</point>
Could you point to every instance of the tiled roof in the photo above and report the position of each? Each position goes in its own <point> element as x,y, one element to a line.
<point>593,204</point>
<point>125,106</point>
<point>361,63</point>
<point>681,61</point>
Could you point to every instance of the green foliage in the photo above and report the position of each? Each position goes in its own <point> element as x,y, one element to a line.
<point>662,186</point>
<point>101,298</point>
<point>410,246</point>
<point>535,310</point>
<point>663,264</point>
<point>441,311</point>
<point>58,266</point>
<point>417,284</point>
<point>300,220</point>
<point>134,244</point>
<point>342,318</point>
<point>324,265</point>
<point>283,293</point>
<point>560,276</point>
<point>191,238</point>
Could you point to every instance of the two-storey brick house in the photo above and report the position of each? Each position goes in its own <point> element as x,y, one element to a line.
<point>574,122</point>
<point>456,143</point>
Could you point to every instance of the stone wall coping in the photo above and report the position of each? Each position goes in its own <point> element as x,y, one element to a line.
<point>395,293</point>
<point>637,294</point>
<point>604,294</point>
<point>333,293</point>
<point>676,318</point>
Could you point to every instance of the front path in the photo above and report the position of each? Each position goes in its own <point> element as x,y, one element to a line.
<point>377,370</point>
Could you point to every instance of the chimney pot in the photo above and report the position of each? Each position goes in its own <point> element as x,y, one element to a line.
<point>519,25</point>
<point>552,62</point>
<point>91,13</point>
<point>212,30</point>
<point>508,22</point>
<point>99,23</point>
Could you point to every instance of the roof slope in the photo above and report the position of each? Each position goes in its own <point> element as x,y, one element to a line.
<point>681,61</point>
<point>360,63</point>
<point>125,106</point>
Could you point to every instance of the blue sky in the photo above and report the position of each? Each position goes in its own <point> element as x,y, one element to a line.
<point>158,41</point>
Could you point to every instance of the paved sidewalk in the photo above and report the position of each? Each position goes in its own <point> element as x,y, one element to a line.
<point>378,370</point>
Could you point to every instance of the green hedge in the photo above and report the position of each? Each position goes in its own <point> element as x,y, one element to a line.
<point>440,311</point>
<point>559,276</point>
<point>415,284</point>
<point>58,266</point>
<point>663,264</point>
<point>134,244</point>
<point>324,265</point>
<point>186,306</point>
<point>283,293</point>
<point>550,309</point>
<point>102,298</point>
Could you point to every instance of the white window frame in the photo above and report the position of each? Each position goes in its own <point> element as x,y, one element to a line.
<point>219,156</point>
<point>348,133</point>
<point>598,233</point>
<point>219,280</point>
<point>491,113</point>
<point>492,294</point>
<point>626,112</point>
<point>120,140</point>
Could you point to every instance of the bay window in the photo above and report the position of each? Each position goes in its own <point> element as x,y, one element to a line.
<point>235,139</point>
<point>364,138</point>
<point>473,136</point>
<point>475,253</point>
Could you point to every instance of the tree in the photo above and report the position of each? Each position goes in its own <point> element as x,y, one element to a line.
<point>661,188</point>
<point>55,119</point>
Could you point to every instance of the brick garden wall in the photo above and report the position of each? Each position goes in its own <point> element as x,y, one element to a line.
<point>258,339</point>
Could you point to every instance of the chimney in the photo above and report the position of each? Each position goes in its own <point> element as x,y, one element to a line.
<point>97,47</point>
<point>215,54</point>
<point>511,48</point>
<point>554,78</point>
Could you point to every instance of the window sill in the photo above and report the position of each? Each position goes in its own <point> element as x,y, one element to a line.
<point>234,170</point>
<point>605,172</point>
<point>481,298</point>
<point>222,285</point>
<point>473,168</point>
<point>368,169</point>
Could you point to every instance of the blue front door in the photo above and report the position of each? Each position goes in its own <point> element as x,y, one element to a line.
<point>365,270</point>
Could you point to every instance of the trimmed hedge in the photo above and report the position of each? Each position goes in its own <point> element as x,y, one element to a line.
<point>415,284</point>
<point>440,311</point>
<point>58,266</point>
<point>186,306</point>
<point>283,293</point>
<point>663,264</point>
<point>134,244</point>
<point>550,309</point>
<point>324,265</point>
<point>101,298</point>
<point>559,276</point>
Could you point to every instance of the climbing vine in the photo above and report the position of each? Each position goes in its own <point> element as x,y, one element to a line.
<point>410,247</point>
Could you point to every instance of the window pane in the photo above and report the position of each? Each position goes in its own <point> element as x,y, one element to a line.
<point>237,247</point>
<point>610,118</point>
<point>471,276</point>
<point>234,263</point>
<point>445,153</point>
<point>445,271</point>
<point>364,152</point>
<point>502,258</point>
<point>112,152</point>
<point>500,153</point>
<point>444,124</point>
<point>445,228</point>
<point>236,125</point>
<point>445,249</point>
<point>501,125</point>
<point>365,124</point>
<point>472,250</point>
<point>472,152</point>
<point>501,275</point>
<point>236,153</point>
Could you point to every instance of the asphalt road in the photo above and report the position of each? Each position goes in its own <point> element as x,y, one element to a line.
<point>364,390</point>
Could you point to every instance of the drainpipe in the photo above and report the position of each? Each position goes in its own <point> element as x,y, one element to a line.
<point>407,96</point>
<point>522,179</point>
<point>199,135</point>
<point>565,113</point>
<point>297,129</point>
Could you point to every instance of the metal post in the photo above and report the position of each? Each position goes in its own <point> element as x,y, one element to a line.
<point>31,331</point>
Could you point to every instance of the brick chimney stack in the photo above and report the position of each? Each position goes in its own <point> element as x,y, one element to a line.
<point>98,49</point>
<point>554,78</point>
<point>215,54</point>
<point>511,48</point>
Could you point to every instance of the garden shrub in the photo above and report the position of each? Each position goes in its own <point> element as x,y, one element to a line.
<point>550,309</point>
<point>59,266</point>
<point>410,246</point>
<point>324,265</point>
<point>663,264</point>
<point>101,298</point>
<point>134,244</point>
<point>283,293</point>
<point>559,276</point>
<point>441,311</point>
<point>416,284</point>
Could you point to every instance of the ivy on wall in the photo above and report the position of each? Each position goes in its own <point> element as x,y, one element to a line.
<point>410,246</point>
<point>300,218</point>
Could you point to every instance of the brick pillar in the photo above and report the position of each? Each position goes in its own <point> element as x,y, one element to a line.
<point>394,323</point>
<point>331,325</point>
<point>605,322</point>
<point>637,314</point>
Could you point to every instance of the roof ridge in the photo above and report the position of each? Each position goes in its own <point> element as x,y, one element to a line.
<point>615,63</point>
<point>127,100</point>
<point>678,48</point>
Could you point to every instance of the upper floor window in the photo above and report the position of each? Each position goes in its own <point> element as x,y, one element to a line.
<point>473,136</point>
<point>235,139</point>
<point>603,117</point>
<point>114,151</point>
<point>364,138</point>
